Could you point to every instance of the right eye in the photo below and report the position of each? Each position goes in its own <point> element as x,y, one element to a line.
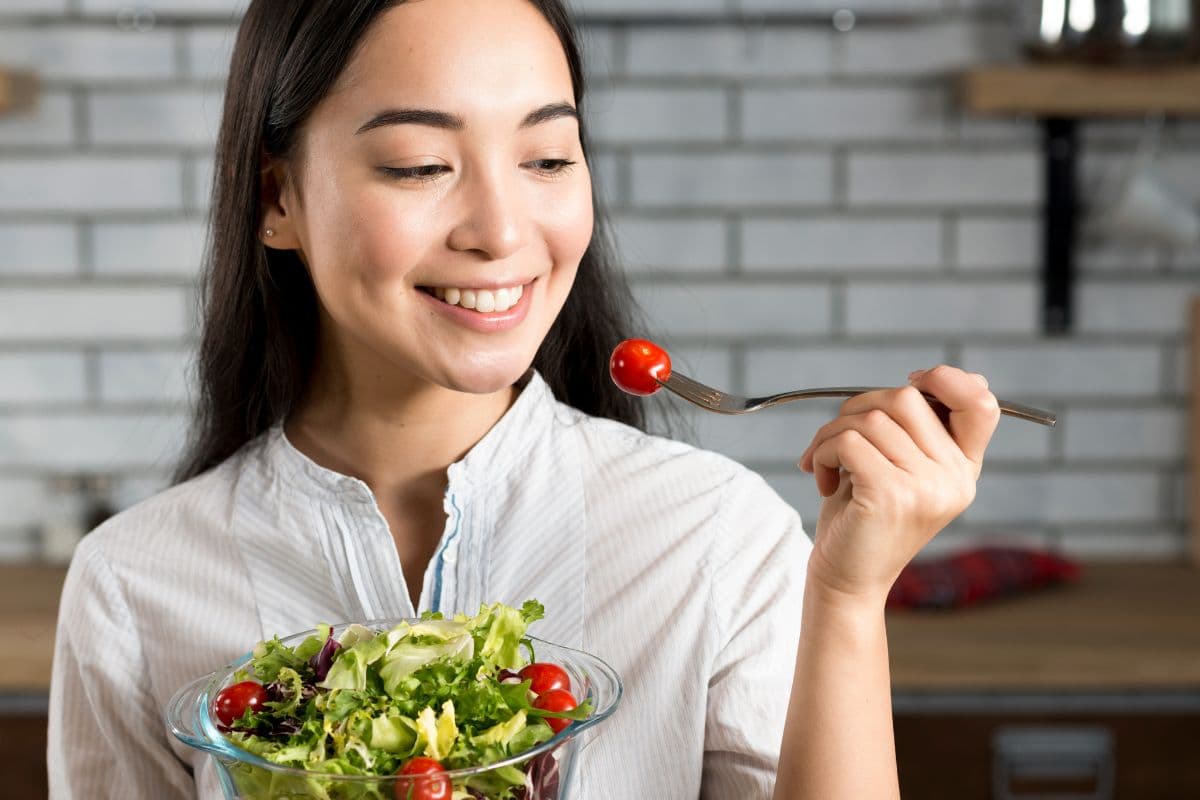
<point>425,172</point>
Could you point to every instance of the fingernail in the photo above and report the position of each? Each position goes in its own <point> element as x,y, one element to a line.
<point>915,374</point>
<point>982,381</point>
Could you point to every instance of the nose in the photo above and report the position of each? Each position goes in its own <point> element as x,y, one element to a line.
<point>494,220</point>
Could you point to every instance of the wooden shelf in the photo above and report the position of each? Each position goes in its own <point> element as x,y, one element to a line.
<point>18,90</point>
<point>1121,628</point>
<point>1062,90</point>
<point>28,615</point>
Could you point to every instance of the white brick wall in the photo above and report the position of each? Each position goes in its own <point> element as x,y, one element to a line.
<point>18,7</point>
<point>182,118</point>
<point>50,122</point>
<point>998,243</point>
<point>707,312</point>
<point>915,178</point>
<point>90,314</point>
<point>728,52</point>
<point>932,48</point>
<point>796,206</point>
<point>83,184</point>
<point>89,441</point>
<point>209,8</point>
<point>147,375</point>
<point>732,179</point>
<point>933,307</point>
<point>90,55</point>
<point>843,114</point>
<point>837,244</point>
<point>38,248</point>
<point>207,51</point>
<point>654,243</point>
<point>625,115</point>
<point>31,377</point>
<point>148,248</point>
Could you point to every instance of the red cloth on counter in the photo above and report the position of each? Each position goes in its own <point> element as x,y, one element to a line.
<point>978,574</point>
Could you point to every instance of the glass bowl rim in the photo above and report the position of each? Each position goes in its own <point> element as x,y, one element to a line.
<point>220,745</point>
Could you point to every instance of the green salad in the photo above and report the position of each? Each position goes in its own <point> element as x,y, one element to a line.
<point>416,700</point>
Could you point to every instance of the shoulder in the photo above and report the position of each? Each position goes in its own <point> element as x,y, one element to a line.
<point>606,442</point>
<point>616,450</point>
<point>632,472</point>
<point>166,537</point>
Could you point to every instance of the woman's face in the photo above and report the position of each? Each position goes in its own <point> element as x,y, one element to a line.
<point>443,172</point>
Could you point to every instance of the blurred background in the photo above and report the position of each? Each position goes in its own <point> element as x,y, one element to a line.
<point>806,193</point>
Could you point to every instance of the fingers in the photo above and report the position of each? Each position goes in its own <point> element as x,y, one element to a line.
<point>880,429</point>
<point>850,451</point>
<point>958,429</point>
<point>974,412</point>
<point>913,412</point>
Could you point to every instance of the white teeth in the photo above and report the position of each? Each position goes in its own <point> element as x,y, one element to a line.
<point>484,301</point>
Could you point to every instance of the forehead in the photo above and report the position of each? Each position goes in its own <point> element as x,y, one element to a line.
<point>497,57</point>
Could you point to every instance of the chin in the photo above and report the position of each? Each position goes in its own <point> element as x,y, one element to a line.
<point>487,378</point>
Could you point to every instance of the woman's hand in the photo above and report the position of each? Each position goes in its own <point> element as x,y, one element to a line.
<point>893,474</point>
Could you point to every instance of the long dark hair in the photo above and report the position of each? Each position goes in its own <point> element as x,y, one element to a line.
<point>260,320</point>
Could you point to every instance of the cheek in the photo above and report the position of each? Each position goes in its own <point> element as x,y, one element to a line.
<point>364,238</point>
<point>388,240</point>
<point>569,228</point>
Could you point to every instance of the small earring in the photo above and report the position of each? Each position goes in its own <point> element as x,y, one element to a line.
<point>270,231</point>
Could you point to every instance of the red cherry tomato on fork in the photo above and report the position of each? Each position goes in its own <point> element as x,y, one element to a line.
<point>545,677</point>
<point>635,364</point>
<point>556,700</point>
<point>232,701</point>
<point>421,781</point>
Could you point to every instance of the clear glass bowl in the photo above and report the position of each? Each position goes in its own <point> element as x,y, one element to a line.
<point>549,767</point>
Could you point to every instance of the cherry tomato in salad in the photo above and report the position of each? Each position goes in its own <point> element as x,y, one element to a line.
<point>556,700</point>
<point>232,701</point>
<point>545,677</point>
<point>635,364</point>
<point>420,781</point>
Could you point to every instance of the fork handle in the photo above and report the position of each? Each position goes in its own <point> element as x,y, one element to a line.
<point>1007,407</point>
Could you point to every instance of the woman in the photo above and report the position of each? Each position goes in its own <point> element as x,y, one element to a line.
<point>403,224</point>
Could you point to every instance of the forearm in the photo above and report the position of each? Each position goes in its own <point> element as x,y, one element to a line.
<point>838,739</point>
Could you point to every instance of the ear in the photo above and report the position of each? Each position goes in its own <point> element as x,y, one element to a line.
<point>278,202</point>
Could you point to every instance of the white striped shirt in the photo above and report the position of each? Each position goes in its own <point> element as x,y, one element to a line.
<point>679,567</point>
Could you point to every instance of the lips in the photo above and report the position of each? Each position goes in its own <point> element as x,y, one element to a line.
<point>483,317</point>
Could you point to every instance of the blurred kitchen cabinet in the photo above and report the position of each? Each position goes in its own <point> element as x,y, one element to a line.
<point>1117,653</point>
<point>23,743</point>
<point>951,754</point>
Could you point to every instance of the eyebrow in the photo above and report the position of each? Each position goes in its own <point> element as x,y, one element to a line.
<point>452,122</point>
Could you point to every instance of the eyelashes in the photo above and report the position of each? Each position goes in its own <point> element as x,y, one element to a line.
<point>550,167</point>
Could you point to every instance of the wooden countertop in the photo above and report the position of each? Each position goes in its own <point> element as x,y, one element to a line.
<point>1082,90</point>
<point>28,614</point>
<point>1122,627</point>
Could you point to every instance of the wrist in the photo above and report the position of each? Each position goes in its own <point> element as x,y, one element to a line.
<point>823,593</point>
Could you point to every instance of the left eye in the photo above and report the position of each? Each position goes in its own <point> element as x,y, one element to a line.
<point>552,165</point>
<point>424,172</point>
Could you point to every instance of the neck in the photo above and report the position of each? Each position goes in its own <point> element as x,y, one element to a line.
<point>397,435</point>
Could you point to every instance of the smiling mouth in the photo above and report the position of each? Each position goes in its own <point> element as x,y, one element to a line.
<point>484,301</point>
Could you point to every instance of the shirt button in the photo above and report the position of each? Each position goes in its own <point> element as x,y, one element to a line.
<point>450,556</point>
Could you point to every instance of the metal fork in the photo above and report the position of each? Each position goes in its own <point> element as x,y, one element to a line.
<point>726,403</point>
